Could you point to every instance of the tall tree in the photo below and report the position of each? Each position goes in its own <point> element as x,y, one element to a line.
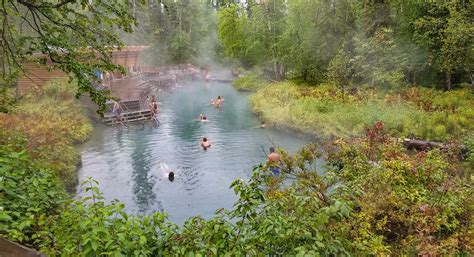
<point>340,71</point>
<point>447,31</point>
<point>175,30</point>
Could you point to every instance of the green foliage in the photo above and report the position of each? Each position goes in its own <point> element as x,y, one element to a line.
<point>89,226</point>
<point>250,82</point>
<point>251,35</point>
<point>176,31</point>
<point>339,71</point>
<point>67,34</point>
<point>415,202</point>
<point>390,42</point>
<point>7,99</point>
<point>470,146</point>
<point>447,30</point>
<point>419,112</point>
<point>232,33</point>
<point>29,194</point>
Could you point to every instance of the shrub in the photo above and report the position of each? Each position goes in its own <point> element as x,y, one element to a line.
<point>423,113</point>
<point>29,194</point>
<point>373,198</point>
<point>50,122</point>
<point>250,82</point>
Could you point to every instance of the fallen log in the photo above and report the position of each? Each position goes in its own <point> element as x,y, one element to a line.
<point>421,145</point>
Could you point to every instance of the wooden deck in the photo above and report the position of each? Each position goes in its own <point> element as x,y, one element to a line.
<point>133,111</point>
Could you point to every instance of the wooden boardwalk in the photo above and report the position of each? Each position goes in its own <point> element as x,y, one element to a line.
<point>133,111</point>
<point>134,90</point>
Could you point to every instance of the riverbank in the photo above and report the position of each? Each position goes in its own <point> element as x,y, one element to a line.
<point>47,124</point>
<point>413,112</point>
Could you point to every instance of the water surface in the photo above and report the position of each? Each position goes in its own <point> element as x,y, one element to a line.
<point>131,164</point>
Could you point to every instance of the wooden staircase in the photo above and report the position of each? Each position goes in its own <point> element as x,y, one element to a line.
<point>133,112</point>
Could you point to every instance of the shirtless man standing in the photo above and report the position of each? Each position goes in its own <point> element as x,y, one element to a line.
<point>219,101</point>
<point>117,111</point>
<point>154,109</point>
<point>274,161</point>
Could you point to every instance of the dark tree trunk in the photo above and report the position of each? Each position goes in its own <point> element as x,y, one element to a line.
<point>472,81</point>
<point>448,81</point>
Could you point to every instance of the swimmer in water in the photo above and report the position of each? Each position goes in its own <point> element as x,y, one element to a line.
<point>262,125</point>
<point>205,144</point>
<point>202,117</point>
<point>171,176</point>
<point>213,102</point>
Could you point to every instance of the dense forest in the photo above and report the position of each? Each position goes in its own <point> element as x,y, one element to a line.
<point>381,43</point>
<point>365,76</point>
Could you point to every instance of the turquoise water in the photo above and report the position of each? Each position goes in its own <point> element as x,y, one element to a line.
<point>131,165</point>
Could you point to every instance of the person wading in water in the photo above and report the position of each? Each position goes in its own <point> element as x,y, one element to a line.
<point>219,101</point>
<point>117,112</point>
<point>154,110</point>
<point>274,162</point>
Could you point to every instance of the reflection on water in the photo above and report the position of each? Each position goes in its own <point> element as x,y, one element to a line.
<point>131,164</point>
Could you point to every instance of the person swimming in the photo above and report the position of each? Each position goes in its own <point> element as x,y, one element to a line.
<point>167,171</point>
<point>262,125</point>
<point>205,143</point>
<point>202,117</point>
<point>213,102</point>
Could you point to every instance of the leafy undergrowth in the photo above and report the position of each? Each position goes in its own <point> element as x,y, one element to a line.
<point>251,82</point>
<point>420,112</point>
<point>48,123</point>
<point>373,199</point>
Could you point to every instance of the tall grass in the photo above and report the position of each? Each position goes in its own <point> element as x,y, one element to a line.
<point>423,113</point>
